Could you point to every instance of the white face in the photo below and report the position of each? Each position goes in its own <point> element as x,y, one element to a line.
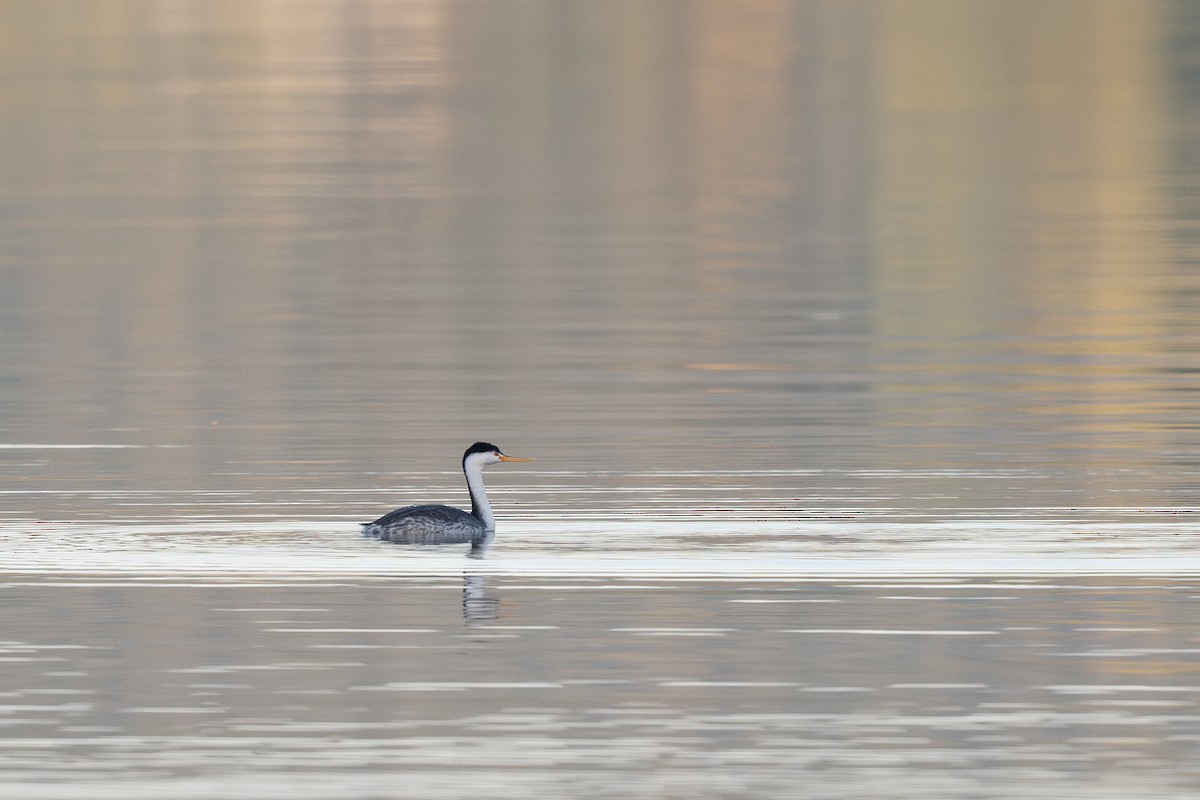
<point>484,459</point>
<point>480,460</point>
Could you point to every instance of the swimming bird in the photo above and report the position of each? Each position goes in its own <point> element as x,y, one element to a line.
<point>436,524</point>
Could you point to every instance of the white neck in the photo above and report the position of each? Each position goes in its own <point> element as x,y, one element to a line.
<point>479,499</point>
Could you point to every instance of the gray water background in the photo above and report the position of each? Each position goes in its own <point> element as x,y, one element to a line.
<point>857,344</point>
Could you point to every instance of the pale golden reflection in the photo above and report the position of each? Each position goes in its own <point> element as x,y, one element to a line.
<point>1021,198</point>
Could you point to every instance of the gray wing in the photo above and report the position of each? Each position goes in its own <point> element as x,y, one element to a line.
<point>430,524</point>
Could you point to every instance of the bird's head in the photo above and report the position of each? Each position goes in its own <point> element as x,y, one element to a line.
<point>484,453</point>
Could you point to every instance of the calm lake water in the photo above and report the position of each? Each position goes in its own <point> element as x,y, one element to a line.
<point>857,345</point>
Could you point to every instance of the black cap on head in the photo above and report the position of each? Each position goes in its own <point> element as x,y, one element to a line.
<point>481,447</point>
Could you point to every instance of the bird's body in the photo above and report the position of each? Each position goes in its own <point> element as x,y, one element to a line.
<point>437,524</point>
<point>430,524</point>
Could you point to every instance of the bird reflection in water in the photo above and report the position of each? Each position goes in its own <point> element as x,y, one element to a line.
<point>477,604</point>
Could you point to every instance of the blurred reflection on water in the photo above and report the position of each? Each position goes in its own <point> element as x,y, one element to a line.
<point>770,290</point>
<point>357,235</point>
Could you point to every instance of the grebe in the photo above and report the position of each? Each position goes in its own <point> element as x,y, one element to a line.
<point>435,524</point>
